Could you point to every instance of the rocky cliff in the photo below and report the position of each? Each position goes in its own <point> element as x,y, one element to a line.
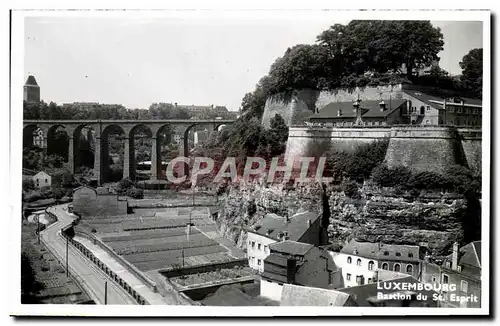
<point>431,220</point>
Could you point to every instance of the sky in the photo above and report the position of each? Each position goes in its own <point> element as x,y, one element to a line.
<point>136,62</point>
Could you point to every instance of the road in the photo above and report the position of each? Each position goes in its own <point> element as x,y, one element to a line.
<point>81,268</point>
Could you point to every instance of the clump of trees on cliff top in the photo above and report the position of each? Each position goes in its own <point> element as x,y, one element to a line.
<point>364,53</point>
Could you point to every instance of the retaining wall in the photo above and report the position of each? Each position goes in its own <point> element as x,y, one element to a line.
<point>203,268</point>
<point>421,148</point>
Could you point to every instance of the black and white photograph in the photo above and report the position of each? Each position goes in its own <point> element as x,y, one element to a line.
<point>249,163</point>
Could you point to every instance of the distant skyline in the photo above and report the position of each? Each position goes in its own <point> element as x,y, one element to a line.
<point>137,62</point>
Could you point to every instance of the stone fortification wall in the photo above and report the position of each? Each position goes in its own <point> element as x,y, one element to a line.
<point>294,108</point>
<point>421,148</point>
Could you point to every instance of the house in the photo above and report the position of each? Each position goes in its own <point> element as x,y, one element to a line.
<point>296,295</point>
<point>303,227</point>
<point>369,113</point>
<point>88,201</point>
<point>42,179</point>
<point>410,107</point>
<point>392,289</point>
<point>291,262</point>
<point>459,276</point>
<point>427,109</point>
<point>360,260</point>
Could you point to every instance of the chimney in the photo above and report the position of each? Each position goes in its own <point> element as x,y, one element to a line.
<point>188,229</point>
<point>339,113</point>
<point>382,106</point>
<point>454,257</point>
<point>285,235</point>
<point>308,223</point>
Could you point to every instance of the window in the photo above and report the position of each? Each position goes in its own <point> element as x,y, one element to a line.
<point>258,246</point>
<point>459,268</point>
<point>464,286</point>
<point>409,269</point>
<point>386,253</point>
<point>259,262</point>
<point>358,262</point>
<point>398,254</point>
<point>428,108</point>
<point>434,279</point>
<point>410,255</point>
<point>266,248</point>
<point>448,264</point>
<point>369,280</point>
<point>348,277</point>
<point>445,279</point>
<point>370,266</point>
<point>349,260</point>
<point>253,244</point>
<point>397,267</point>
<point>46,180</point>
<point>427,122</point>
<point>385,266</point>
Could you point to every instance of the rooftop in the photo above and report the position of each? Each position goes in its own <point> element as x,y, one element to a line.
<point>31,81</point>
<point>295,295</point>
<point>382,251</point>
<point>272,225</point>
<point>469,258</point>
<point>427,98</point>
<point>370,109</point>
<point>290,247</point>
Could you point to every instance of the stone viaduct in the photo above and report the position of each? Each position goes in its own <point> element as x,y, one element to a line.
<point>103,128</point>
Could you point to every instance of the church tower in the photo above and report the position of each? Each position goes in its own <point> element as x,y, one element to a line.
<point>31,90</point>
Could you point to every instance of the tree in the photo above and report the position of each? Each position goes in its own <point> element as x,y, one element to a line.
<point>381,46</point>
<point>253,103</point>
<point>29,285</point>
<point>301,67</point>
<point>472,71</point>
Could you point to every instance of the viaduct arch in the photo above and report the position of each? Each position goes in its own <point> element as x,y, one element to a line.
<point>102,128</point>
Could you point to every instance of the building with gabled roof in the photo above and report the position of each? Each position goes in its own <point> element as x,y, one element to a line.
<point>305,227</point>
<point>42,179</point>
<point>435,109</point>
<point>291,262</point>
<point>360,260</point>
<point>370,112</point>
<point>462,271</point>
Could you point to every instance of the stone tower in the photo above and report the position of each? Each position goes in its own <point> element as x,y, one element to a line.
<point>31,90</point>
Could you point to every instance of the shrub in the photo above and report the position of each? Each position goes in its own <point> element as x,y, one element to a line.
<point>58,193</point>
<point>28,185</point>
<point>381,175</point>
<point>391,177</point>
<point>350,188</point>
<point>135,193</point>
<point>428,180</point>
<point>252,208</point>
<point>33,196</point>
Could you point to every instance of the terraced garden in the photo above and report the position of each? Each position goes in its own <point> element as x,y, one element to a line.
<point>159,241</point>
